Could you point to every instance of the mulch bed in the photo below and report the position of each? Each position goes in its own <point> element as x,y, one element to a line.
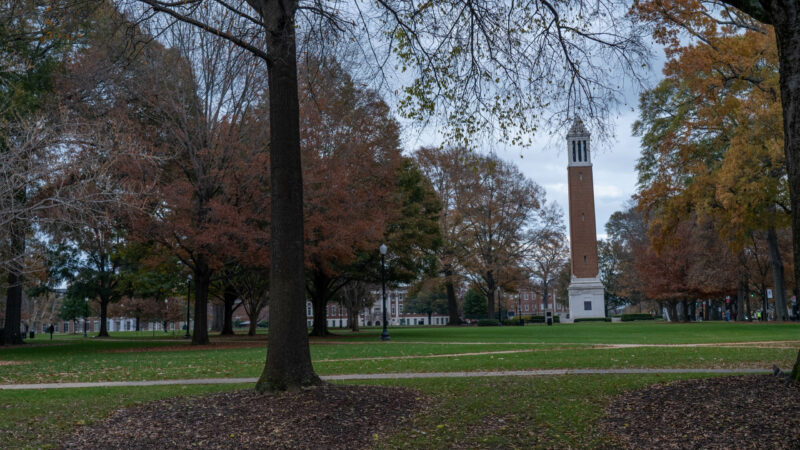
<point>328,416</point>
<point>759,411</point>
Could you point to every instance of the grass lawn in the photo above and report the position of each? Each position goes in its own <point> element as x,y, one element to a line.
<point>509,411</point>
<point>128,356</point>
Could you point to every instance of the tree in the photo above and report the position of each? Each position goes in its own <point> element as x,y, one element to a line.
<point>497,213</point>
<point>74,308</point>
<point>251,286</point>
<point>548,252</point>
<point>448,170</point>
<point>704,20</point>
<point>33,36</point>
<point>502,41</point>
<point>712,135</point>
<point>475,303</point>
<point>356,296</point>
<point>429,297</point>
<point>627,232</point>
<point>351,156</point>
<point>98,275</point>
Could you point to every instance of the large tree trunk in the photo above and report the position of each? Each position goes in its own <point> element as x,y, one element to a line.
<point>796,369</point>
<point>452,303</point>
<point>673,311</point>
<point>251,331</point>
<point>288,363</point>
<point>319,300</point>
<point>685,308</point>
<point>490,285</point>
<point>320,306</point>
<point>218,313</point>
<point>137,323</point>
<point>103,317</point>
<point>202,281</point>
<point>777,275</point>
<point>785,18</point>
<point>13,319</point>
<point>352,318</point>
<point>229,298</point>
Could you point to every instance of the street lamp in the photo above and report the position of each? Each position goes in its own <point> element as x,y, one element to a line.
<point>85,314</point>
<point>385,334</point>
<point>188,300</point>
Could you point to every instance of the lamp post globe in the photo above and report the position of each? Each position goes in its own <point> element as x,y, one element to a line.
<point>385,333</point>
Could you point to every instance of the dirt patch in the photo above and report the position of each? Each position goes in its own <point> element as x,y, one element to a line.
<point>329,416</point>
<point>12,363</point>
<point>188,347</point>
<point>760,411</point>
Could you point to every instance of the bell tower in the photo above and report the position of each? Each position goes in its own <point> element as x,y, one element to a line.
<point>586,293</point>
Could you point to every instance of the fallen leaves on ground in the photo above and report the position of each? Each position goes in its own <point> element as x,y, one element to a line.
<point>723,412</point>
<point>328,416</point>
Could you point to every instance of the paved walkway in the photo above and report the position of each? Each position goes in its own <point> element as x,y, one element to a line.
<point>385,376</point>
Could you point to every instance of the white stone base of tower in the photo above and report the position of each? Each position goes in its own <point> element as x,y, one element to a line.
<point>586,299</point>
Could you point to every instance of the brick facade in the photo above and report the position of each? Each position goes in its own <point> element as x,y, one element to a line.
<point>582,228</point>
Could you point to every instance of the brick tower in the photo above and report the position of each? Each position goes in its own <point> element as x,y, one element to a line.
<point>586,294</point>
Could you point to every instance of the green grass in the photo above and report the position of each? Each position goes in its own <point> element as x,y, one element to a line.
<point>467,412</point>
<point>510,412</point>
<point>69,358</point>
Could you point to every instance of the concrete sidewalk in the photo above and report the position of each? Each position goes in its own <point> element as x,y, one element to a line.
<point>387,376</point>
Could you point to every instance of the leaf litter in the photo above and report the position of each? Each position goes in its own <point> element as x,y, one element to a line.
<point>760,411</point>
<point>328,416</point>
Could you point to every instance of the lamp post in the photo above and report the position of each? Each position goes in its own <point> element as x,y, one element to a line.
<point>385,333</point>
<point>85,314</point>
<point>166,311</point>
<point>188,300</point>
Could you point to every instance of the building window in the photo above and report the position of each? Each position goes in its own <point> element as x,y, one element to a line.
<point>526,296</point>
<point>583,218</point>
<point>584,259</point>
<point>587,306</point>
<point>580,176</point>
<point>573,152</point>
<point>526,307</point>
<point>579,152</point>
<point>585,152</point>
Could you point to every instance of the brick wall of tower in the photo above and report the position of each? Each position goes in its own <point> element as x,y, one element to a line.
<point>582,228</point>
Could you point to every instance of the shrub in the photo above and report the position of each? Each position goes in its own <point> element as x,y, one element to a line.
<point>262,324</point>
<point>511,322</point>
<point>593,319</point>
<point>488,323</point>
<point>540,319</point>
<point>631,317</point>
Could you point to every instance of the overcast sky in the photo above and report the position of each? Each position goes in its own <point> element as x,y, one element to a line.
<point>545,162</point>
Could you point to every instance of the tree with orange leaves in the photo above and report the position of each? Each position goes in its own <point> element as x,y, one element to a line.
<point>712,145</point>
<point>351,154</point>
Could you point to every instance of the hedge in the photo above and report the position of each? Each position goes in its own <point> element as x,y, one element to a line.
<point>540,319</point>
<point>593,319</point>
<point>488,323</point>
<point>631,317</point>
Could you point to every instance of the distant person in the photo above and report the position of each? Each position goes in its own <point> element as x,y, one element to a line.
<point>51,329</point>
<point>727,315</point>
